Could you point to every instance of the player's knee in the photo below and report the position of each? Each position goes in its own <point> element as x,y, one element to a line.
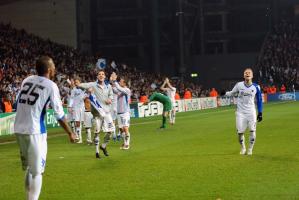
<point>126,129</point>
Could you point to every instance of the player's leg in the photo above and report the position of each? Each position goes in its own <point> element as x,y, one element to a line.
<point>113,115</point>
<point>37,152</point>
<point>23,142</point>
<point>172,114</point>
<point>124,123</point>
<point>241,125</point>
<point>164,119</point>
<point>78,117</point>
<point>88,124</point>
<point>97,125</point>
<point>70,119</point>
<point>108,128</point>
<point>252,132</point>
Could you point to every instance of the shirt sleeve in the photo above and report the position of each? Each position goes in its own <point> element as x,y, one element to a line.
<point>123,90</point>
<point>56,103</point>
<point>86,85</point>
<point>259,99</point>
<point>234,91</point>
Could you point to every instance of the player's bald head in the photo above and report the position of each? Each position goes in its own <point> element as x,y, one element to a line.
<point>43,65</point>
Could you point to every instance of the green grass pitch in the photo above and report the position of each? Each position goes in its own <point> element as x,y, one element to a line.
<point>198,158</point>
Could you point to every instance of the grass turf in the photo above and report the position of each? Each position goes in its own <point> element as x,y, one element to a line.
<point>198,158</point>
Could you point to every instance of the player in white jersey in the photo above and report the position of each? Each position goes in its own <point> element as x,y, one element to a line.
<point>36,92</point>
<point>170,92</point>
<point>77,105</point>
<point>114,117</point>
<point>123,108</point>
<point>88,117</point>
<point>246,111</point>
<point>101,100</point>
<point>70,117</point>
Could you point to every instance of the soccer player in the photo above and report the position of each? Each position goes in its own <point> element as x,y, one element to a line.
<point>101,100</point>
<point>170,92</point>
<point>88,117</point>
<point>114,116</point>
<point>77,105</point>
<point>246,117</point>
<point>35,94</point>
<point>123,108</point>
<point>70,116</point>
<point>167,106</point>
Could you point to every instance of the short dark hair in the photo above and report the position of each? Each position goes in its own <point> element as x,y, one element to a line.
<point>101,70</point>
<point>42,64</point>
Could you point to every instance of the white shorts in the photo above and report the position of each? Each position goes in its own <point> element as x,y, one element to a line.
<point>78,115</point>
<point>70,116</point>
<point>123,120</point>
<point>173,104</point>
<point>245,120</point>
<point>33,152</point>
<point>113,114</point>
<point>104,123</point>
<point>87,119</point>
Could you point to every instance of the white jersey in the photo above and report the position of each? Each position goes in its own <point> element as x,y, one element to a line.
<point>77,98</point>
<point>246,95</point>
<point>36,92</point>
<point>102,93</point>
<point>170,92</point>
<point>123,98</point>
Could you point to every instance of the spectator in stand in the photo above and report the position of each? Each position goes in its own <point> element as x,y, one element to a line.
<point>187,94</point>
<point>7,103</point>
<point>282,89</point>
<point>177,96</point>
<point>19,49</point>
<point>213,93</point>
<point>279,63</point>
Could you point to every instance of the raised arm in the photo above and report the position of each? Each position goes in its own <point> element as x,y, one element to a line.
<point>123,90</point>
<point>86,85</point>
<point>233,92</point>
<point>163,85</point>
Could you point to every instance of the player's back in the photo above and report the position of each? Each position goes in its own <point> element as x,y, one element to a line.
<point>159,97</point>
<point>171,93</point>
<point>36,92</point>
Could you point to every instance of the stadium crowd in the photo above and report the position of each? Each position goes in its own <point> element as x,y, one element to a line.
<point>279,63</point>
<point>19,50</point>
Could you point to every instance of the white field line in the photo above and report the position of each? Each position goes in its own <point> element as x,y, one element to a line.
<point>151,122</point>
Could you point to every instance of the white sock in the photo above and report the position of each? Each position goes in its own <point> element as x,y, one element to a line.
<point>173,117</point>
<point>242,140</point>
<point>78,131</point>
<point>119,132</point>
<point>252,137</point>
<point>88,134</point>
<point>73,126</point>
<point>97,141</point>
<point>114,134</point>
<point>33,185</point>
<point>127,139</point>
<point>170,117</point>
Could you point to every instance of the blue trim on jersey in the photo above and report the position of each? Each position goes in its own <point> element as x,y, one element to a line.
<point>126,98</point>
<point>259,99</point>
<point>94,101</point>
<point>42,118</point>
